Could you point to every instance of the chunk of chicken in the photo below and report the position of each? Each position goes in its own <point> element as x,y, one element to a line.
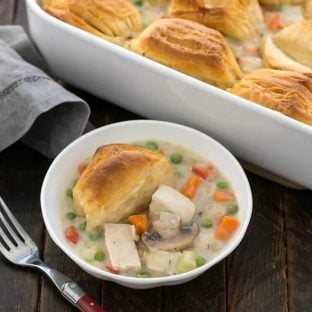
<point>167,199</point>
<point>168,224</point>
<point>162,261</point>
<point>121,247</point>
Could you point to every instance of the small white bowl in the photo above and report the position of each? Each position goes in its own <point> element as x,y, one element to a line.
<point>63,169</point>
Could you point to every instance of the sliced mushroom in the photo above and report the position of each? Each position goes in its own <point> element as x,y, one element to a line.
<point>154,241</point>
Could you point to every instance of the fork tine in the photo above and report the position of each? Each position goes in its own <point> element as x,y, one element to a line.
<point>6,239</point>
<point>9,229</point>
<point>16,224</point>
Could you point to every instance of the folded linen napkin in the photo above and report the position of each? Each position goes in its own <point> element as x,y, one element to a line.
<point>32,105</point>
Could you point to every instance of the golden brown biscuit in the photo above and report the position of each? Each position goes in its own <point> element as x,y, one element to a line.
<point>112,17</point>
<point>240,19</point>
<point>119,181</point>
<point>56,4</point>
<point>185,5</point>
<point>296,41</point>
<point>277,2</point>
<point>285,91</point>
<point>191,48</point>
<point>113,20</point>
<point>72,19</point>
<point>275,58</point>
<point>307,9</point>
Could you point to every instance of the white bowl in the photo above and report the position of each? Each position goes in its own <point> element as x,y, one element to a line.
<point>252,132</point>
<point>63,169</point>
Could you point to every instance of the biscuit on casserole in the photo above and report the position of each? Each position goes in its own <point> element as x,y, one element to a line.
<point>240,19</point>
<point>109,19</point>
<point>191,48</point>
<point>307,9</point>
<point>277,2</point>
<point>112,17</point>
<point>61,10</point>
<point>275,58</point>
<point>119,181</point>
<point>296,41</point>
<point>285,91</point>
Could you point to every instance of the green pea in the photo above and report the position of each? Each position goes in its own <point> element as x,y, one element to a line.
<point>138,2</point>
<point>69,192</point>
<point>232,208</point>
<point>99,256</point>
<point>223,185</point>
<point>206,223</point>
<point>143,274</point>
<point>176,158</point>
<point>200,261</point>
<point>152,146</point>
<point>279,7</point>
<point>95,236</point>
<point>82,226</point>
<point>71,215</point>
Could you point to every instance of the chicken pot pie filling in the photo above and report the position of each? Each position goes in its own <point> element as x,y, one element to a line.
<point>180,229</point>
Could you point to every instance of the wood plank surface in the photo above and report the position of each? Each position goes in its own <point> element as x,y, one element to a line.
<point>6,11</point>
<point>20,16</point>
<point>119,299</point>
<point>206,293</point>
<point>21,173</point>
<point>256,271</point>
<point>298,214</point>
<point>269,271</point>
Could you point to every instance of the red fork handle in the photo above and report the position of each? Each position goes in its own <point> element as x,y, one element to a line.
<point>87,304</point>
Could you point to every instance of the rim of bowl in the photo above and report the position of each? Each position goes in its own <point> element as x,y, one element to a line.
<point>151,280</point>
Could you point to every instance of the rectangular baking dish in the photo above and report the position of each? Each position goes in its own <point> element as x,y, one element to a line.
<point>253,133</point>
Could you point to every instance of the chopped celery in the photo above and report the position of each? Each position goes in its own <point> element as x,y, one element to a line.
<point>187,261</point>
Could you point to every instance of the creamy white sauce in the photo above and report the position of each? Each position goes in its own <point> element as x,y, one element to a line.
<point>151,10</point>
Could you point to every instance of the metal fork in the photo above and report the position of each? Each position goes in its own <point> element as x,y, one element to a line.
<point>17,246</point>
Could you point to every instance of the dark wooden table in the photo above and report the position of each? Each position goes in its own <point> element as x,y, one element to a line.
<point>271,270</point>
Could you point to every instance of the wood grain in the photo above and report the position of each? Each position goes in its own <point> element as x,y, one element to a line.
<point>103,112</point>
<point>256,271</point>
<point>298,215</point>
<point>118,298</point>
<point>7,11</point>
<point>20,188</point>
<point>204,294</point>
<point>20,17</point>
<point>269,271</point>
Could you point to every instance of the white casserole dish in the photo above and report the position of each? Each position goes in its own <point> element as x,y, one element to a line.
<point>256,134</point>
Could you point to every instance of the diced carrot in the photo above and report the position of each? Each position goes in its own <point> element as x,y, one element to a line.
<point>275,23</point>
<point>190,187</point>
<point>82,167</point>
<point>223,196</point>
<point>226,228</point>
<point>204,171</point>
<point>72,235</point>
<point>140,222</point>
<point>112,270</point>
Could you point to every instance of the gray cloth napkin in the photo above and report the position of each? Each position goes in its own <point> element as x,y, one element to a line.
<point>32,105</point>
